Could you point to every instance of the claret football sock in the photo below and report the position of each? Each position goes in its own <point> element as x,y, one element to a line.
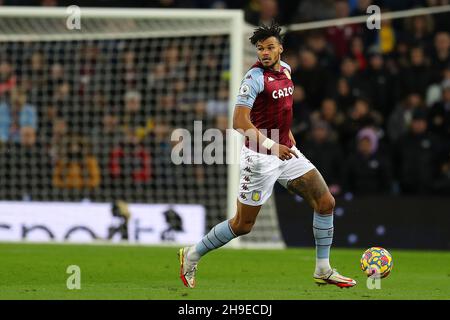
<point>218,236</point>
<point>323,234</point>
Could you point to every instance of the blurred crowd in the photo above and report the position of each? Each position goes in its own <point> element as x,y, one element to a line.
<point>256,11</point>
<point>94,118</point>
<point>372,108</point>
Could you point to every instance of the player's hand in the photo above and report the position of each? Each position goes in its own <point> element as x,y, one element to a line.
<point>283,152</point>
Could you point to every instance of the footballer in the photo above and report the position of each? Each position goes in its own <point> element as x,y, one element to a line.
<point>263,113</point>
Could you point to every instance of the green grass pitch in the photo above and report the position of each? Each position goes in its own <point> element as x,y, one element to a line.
<point>35,271</point>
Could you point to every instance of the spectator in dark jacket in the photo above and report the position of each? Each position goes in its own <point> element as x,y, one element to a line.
<point>326,154</point>
<point>440,54</point>
<point>418,156</point>
<point>359,117</point>
<point>367,171</point>
<point>400,118</point>
<point>317,42</point>
<point>330,113</point>
<point>417,76</point>
<point>25,167</point>
<point>439,117</point>
<point>380,83</point>
<point>313,78</point>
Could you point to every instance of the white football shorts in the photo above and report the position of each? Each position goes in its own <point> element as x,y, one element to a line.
<point>259,172</point>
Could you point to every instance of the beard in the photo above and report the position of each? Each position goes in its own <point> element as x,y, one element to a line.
<point>270,66</point>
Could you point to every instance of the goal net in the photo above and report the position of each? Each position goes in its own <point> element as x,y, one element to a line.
<point>88,113</point>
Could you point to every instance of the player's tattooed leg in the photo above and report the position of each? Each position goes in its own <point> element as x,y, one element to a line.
<point>312,187</point>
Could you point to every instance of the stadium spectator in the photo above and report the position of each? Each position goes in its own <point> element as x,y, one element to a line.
<point>34,79</point>
<point>262,12</point>
<point>380,82</point>
<point>418,156</point>
<point>399,59</point>
<point>167,107</point>
<point>301,113</point>
<point>55,78</point>
<point>439,117</point>
<point>344,95</point>
<point>440,55</point>
<point>25,167</point>
<point>349,71</point>
<point>47,115</point>
<point>128,72</point>
<point>94,111</point>
<point>76,168</point>
<point>104,137</point>
<point>130,163</point>
<point>417,76</point>
<point>134,116</point>
<point>387,37</point>
<point>419,30</point>
<point>59,131</point>
<point>334,118</point>
<point>16,115</point>
<point>8,80</point>
<point>367,171</point>
<point>200,110</point>
<point>340,36</point>
<point>317,42</point>
<point>218,105</point>
<point>360,116</point>
<point>400,118</point>
<point>314,79</point>
<point>162,167</point>
<point>357,53</point>
<point>291,58</point>
<point>325,153</point>
<point>91,65</point>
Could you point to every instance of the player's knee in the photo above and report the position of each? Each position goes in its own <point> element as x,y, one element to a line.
<point>326,204</point>
<point>241,228</point>
<point>244,229</point>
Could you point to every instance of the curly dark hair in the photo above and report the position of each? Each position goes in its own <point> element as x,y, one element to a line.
<point>263,32</point>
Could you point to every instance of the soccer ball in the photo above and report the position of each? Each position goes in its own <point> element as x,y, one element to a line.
<point>376,261</point>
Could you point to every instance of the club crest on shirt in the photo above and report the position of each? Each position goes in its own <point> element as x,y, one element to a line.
<point>286,72</point>
<point>256,195</point>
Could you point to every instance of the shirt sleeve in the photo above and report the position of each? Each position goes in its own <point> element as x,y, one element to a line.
<point>251,86</point>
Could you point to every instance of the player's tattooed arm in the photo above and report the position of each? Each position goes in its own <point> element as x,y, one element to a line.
<point>311,186</point>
